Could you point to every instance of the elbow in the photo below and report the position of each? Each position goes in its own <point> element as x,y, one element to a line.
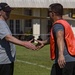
<point>8,37</point>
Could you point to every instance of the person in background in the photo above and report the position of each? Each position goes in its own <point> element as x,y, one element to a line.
<point>61,42</point>
<point>7,41</point>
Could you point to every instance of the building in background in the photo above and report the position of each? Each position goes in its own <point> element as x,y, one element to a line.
<point>31,16</point>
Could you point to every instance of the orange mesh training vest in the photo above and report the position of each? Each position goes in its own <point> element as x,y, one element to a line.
<point>69,38</point>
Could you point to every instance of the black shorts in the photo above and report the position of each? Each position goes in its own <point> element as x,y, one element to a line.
<point>6,69</point>
<point>69,69</point>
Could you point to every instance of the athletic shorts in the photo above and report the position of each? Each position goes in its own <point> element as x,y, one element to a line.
<point>6,69</point>
<point>69,69</point>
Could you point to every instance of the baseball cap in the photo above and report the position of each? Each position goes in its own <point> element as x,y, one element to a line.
<point>5,7</point>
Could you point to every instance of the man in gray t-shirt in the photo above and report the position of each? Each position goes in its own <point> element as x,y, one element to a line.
<point>7,49</point>
<point>7,41</point>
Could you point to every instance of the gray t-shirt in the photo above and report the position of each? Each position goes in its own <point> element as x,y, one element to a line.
<point>67,56</point>
<point>7,49</point>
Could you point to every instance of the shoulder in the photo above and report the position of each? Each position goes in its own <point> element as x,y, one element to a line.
<point>58,27</point>
<point>3,23</point>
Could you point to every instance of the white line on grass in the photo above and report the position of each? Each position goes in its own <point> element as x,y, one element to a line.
<point>42,66</point>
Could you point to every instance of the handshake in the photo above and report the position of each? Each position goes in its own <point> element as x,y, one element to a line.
<point>30,45</point>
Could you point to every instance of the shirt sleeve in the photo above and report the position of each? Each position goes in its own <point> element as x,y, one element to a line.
<point>57,27</point>
<point>4,30</point>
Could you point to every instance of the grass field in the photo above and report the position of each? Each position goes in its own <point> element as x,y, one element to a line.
<point>30,62</point>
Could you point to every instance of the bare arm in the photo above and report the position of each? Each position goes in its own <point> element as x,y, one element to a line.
<point>60,44</point>
<point>14,40</point>
<point>42,43</point>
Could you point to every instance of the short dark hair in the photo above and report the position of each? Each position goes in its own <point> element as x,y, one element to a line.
<point>57,8</point>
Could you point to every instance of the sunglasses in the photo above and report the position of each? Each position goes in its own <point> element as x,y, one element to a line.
<point>52,11</point>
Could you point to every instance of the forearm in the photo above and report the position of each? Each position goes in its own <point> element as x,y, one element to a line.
<point>26,44</point>
<point>60,43</point>
<point>14,40</point>
<point>47,41</point>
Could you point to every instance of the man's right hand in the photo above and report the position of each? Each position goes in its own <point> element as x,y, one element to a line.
<point>40,44</point>
<point>61,61</point>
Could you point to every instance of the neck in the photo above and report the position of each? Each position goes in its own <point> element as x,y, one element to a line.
<point>1,18</point>
<point>57,18</point>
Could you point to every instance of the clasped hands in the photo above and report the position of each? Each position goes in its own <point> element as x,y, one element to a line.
<point>30,45</point>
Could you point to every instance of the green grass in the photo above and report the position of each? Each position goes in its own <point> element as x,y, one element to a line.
<point>30,62</point>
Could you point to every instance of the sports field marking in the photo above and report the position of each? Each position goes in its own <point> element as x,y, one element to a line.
<point>26,62</point>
